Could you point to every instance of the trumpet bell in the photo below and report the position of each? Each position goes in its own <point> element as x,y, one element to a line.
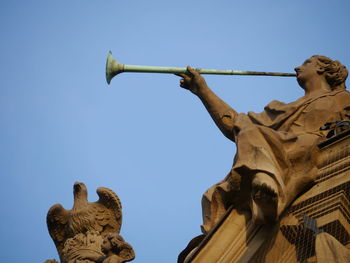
<point>113,67</point>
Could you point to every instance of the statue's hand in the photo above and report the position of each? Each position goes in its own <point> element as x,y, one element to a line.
<point>192,81</point>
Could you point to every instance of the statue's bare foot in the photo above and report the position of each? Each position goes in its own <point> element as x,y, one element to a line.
<point>265,196</point>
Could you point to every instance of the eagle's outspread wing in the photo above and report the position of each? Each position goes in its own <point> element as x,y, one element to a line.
<point>57,219</point>
<point>108,211</point>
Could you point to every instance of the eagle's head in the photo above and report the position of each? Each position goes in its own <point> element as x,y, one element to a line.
<point>80,194</point>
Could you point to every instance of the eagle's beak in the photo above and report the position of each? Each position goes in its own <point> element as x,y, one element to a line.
<point>77,186</point>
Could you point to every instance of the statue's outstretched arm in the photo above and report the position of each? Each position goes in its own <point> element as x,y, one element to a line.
<point>222,114</point>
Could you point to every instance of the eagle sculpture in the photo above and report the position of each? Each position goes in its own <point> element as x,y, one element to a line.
<point>104,216</point>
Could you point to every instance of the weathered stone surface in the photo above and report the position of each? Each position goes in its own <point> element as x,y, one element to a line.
<point>326,207</point>
<point>277,160</point>
<point>89,232</point>
<point>329,249</point>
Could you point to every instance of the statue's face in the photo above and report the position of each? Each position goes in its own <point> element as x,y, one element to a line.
<point>307,70</point>
<point>106,245</point>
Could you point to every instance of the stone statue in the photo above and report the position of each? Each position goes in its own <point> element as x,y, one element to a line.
<point>114,247</point>
<point>89,232</point>
<point>276,150</point>
<point>329,249</point>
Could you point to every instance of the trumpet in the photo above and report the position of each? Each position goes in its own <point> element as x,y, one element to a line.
<point>113,68</point>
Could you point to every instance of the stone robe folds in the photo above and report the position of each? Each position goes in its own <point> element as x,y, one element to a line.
<point>280,142</point>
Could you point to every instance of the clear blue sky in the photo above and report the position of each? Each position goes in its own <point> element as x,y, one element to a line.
<point>143,136</point>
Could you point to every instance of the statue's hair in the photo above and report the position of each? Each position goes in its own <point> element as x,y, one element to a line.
<point>335,73</point>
